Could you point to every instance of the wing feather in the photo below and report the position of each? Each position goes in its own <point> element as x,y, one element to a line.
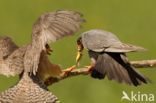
<point>7,46</point>
<point>123,48</point>
<point>50,27</point>
<point>11,62</point>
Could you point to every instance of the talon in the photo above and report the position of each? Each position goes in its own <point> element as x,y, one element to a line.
<point>48,49</point>
<point>68,70</point>
<point>90,68</point>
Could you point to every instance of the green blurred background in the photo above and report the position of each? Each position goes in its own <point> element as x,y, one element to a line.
<point>133,21</point>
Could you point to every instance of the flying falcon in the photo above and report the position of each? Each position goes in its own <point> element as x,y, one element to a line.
<point>34,56</point>
<point>30,89</point>
<point>49,28</point>
<point>108,56</point>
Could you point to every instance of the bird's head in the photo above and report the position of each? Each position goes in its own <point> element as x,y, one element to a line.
<point>48,49</point>
<point>79,50</point>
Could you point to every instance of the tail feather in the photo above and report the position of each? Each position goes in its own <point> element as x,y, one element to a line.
<point>28,90</point>
<point>96,74</point>
<point>117,67</point>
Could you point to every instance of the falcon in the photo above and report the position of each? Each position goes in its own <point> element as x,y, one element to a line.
<point>30,89</point>
<point>49,27</point>
<point>33,57</point>
<point>108,56</point>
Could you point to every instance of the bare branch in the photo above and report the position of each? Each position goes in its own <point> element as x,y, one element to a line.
<point>75,72</point>
<point>144,63</point>
<point>84,71</point>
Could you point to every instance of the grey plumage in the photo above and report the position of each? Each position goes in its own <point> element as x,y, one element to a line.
<point>100,40</point>
<point>108,56</point>
<point>28,90</point>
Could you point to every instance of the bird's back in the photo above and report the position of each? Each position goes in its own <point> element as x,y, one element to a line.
<point>104,41</point>
<point>97,40</point>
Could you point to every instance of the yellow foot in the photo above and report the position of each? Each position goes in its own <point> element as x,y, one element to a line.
<point>68,70</point>
<point>48,49</point>
<point>90,68</point>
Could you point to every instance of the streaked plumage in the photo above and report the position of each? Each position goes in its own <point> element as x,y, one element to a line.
<point>49,28</point>
<point>7,46</point>
<point>108,57</point>
<point>32,58</point>
<point>30,89</point>
<point>12,61</point>
<point>11,57</point>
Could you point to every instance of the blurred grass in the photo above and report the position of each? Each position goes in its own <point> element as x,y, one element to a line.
<point>133,21</point>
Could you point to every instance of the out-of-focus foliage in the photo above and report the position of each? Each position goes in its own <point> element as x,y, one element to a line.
<point>133,21</point>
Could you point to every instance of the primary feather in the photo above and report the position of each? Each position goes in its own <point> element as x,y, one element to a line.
<point>48,28</point>
<point>11,57</point>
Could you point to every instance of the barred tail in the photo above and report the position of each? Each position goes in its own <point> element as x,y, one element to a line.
<point>27,90</point>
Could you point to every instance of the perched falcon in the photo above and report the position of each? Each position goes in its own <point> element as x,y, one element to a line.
<point>108,57</point>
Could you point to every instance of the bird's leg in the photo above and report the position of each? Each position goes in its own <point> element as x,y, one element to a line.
<point>79,53</point>
<point>78,57</point>
<point>48,49</point>
<point>68,70</point>
<point>90,68</point>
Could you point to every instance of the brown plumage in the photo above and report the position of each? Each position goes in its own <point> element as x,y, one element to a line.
<point>33,59</point>
<point>30,89</point>
<point>12,61</point>
<point>11,57</point>
<point>49,28</point>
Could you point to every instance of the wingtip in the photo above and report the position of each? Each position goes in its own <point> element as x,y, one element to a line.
<point>141,49</point>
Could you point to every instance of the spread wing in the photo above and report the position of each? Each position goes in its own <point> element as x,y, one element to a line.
<point>49,28</point>
<point>13,65</point>
<point>7,46</point>
<point>11,57</point>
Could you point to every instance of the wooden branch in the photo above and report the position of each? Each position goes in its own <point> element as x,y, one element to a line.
<point>84,71</point>
<point>144,63</point>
